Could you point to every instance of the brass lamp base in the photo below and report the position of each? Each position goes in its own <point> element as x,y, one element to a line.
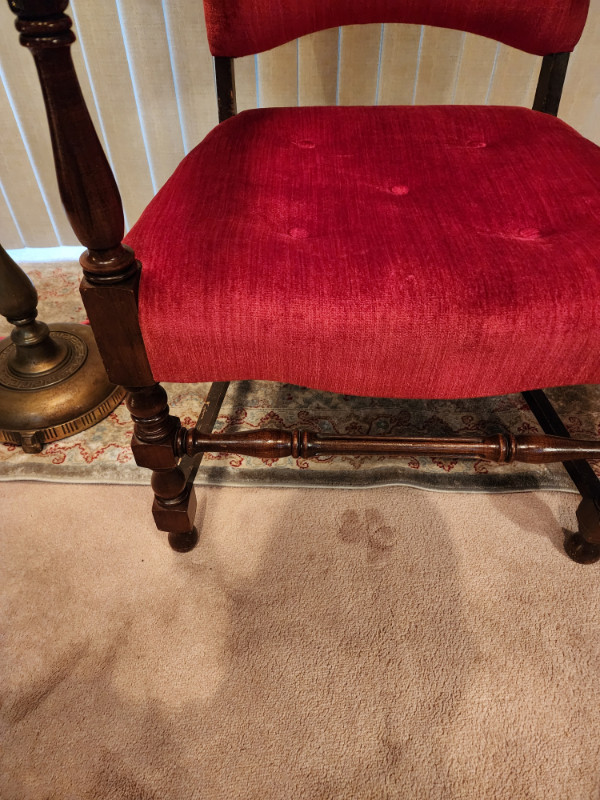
<point>69,397</point>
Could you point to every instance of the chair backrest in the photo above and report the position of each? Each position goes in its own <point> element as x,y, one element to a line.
<point>241,27</point>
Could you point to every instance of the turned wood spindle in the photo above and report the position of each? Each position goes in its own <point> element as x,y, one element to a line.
<point>501,448</point>
<point>111,273</point>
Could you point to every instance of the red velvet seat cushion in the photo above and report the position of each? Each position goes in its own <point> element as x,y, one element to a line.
<point>391,251</point>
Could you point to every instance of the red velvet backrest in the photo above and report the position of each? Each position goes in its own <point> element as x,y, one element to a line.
<point>240,27</point>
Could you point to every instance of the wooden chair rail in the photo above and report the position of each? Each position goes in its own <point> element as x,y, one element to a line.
<point>503,448</point>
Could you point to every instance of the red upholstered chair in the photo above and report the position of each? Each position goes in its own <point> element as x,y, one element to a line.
<point>432,252</point>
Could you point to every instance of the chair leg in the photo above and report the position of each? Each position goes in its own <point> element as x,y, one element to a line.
<point>153,447</point>
<point>584,546</point>
<point>174,508</point>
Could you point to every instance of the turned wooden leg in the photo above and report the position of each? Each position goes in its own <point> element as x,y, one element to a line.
<point>153,447</point>
<point>584,546</point>
<point>110,287</point>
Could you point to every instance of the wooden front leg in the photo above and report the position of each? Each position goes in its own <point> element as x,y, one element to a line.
<point>111,273</point>
<point>153,445</point>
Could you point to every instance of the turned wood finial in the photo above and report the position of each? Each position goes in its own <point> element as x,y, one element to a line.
<point>41,23</point>
<point>37,9</point>
<point>87,186</point>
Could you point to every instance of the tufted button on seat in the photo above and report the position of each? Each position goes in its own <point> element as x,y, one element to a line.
<point>306,144</point>
<point>451,289</point>
<point>530,233</point>
<point>298,233</point>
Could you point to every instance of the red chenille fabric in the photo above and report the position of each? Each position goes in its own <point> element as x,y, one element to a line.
<point>241,27</point>
<point>393,251</point>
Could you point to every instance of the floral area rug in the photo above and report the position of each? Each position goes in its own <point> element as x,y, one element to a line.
<point>102,455</point>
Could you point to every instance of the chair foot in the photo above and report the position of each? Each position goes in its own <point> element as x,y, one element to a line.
<point>183,542</point>
<point>580,550</point>
<point>584,546</point>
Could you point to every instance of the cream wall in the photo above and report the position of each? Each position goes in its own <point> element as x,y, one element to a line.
<point>147,76</point>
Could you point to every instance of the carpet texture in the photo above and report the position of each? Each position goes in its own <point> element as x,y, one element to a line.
<point>102,454</point>
<point>364,645</point>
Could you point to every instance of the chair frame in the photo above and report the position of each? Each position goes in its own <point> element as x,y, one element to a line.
<point>109,289</point>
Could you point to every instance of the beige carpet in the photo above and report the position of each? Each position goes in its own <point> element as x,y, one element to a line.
<point>367,644</point>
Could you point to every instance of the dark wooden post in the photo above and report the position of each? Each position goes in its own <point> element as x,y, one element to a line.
<point>111,273</point>
<point>225,80</point>
<point>550,83</point>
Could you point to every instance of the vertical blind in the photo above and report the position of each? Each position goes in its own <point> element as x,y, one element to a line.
<point>148,80</point>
